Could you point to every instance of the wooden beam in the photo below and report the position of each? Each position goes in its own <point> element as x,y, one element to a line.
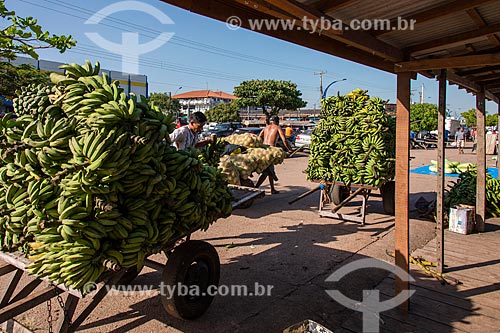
<point>480,22</point>
<point>472,86</point>
<point>221,10</point>
<point>358,38</point>
<point>481,162</point>
<point>437,12</point>
<point>484,78</point>
<point>458,38</point>
<point>453,62</point>
<point>402,241</point>
<point>480,70</point>
<point>440,177</point>
<point>327,6</point>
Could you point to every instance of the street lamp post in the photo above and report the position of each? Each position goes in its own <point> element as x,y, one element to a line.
<point>170,96</point>
<point>328,86</point>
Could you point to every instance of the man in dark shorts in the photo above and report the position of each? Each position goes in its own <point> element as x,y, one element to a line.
<point>269,137</point>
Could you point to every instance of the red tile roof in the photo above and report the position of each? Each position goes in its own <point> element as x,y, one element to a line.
<point>204,94</point>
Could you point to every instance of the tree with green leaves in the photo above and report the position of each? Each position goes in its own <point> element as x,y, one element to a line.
<point>164,102</point>
<point>13,77</point>
<point>423,117</point>
<point>491,119</point>
<point>25,36</point>
<point>470,117</point>
<point>224,113</point>
<point>270,95</point>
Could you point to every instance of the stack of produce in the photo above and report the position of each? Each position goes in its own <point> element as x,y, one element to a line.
<point>451,167</point>
<point>354,141</point>
<point>256,159</point>
<point>463,191</point>
<point>89,181</point>
<point>211,153</point>
<point>248,140</point>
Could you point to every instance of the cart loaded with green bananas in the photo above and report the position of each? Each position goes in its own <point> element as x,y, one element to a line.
<point>89,181</point>
<point>354,144</point>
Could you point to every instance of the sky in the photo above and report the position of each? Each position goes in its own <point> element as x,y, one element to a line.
<point>195,53</point>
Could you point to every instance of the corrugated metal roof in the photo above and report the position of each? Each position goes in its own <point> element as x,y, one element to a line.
<point>426,31</point>
<point>360,9</point>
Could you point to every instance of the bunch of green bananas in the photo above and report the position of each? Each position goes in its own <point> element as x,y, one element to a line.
<point>211,153</point>
<point>463,191</point>
<point>354,142</point>
<point>89,181</point>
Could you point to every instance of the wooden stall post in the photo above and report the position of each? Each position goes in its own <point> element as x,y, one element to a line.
<point>440,166</point>
<point>481,161</point>
<point>498,145</point>
<point>402,179</point>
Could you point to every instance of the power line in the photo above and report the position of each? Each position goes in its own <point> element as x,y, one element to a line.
<point>175,40</point>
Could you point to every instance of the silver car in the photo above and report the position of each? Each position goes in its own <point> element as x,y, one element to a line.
<point>303,139</point>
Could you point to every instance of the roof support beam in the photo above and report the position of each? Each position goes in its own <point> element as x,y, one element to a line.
<point>358,39</point>
<point>438,12</point>
<point>481,162</point>
<point>480,22</point>
<point>454,78</point>
<point>437,43</point>
<point>453,62</point>
<point>327,6</point>
<point>222,10</point>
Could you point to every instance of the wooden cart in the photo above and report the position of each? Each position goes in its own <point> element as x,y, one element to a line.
<point>190,262</point>
<point>339,194</point>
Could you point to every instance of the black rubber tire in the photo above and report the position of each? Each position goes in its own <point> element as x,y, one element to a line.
<point>193,263</point>
<point>339,193</point>
<point>388,191</point>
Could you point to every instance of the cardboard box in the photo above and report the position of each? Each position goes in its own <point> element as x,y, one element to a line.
<point>462,219</point>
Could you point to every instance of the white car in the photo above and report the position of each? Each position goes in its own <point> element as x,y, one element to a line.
<point>304,138</point>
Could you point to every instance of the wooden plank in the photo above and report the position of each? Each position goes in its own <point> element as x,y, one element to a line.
<point>452,62</point>
<point>481,162</point>
<point>448,310</point>
<point>16,308</point>
<point>440,176</point>
<point>64,322</point>
<point>402,179</point>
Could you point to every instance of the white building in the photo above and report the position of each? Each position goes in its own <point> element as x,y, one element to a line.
<point>202,100</point>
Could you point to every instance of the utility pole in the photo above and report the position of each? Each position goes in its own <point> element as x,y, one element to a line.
<point>320,83</point>
<point>422,95</point>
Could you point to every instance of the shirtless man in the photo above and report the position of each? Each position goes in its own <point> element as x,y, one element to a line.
<point>269,137</point>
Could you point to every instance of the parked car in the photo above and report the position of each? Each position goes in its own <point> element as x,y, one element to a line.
<point>223,129</point>
<point>303,138</point>
<point>253,130</point>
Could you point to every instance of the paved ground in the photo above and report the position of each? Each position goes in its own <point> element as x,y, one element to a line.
<point>288,247</point>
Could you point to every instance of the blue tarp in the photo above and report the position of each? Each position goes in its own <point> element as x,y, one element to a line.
<point>424,170</point>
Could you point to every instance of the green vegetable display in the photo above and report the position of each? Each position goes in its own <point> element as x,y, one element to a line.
<point>354,141</point>
<point>463,191</point>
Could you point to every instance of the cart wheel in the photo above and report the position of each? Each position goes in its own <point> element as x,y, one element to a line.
<point>388,200</point>
<point>195,266</point>
<point>340,193</point>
